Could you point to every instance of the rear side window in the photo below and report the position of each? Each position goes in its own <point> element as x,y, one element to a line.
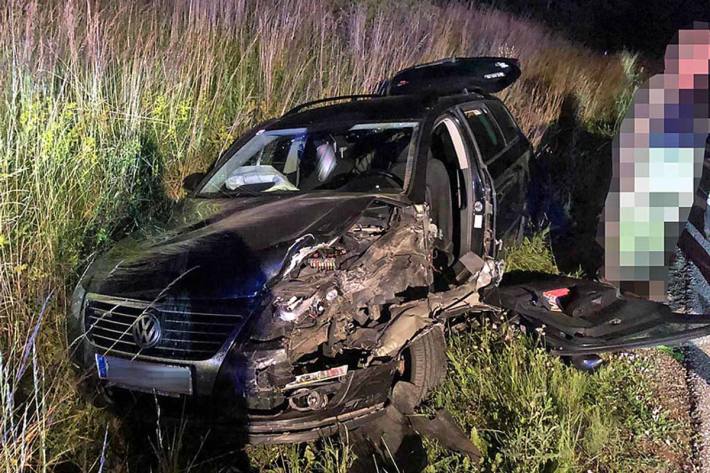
<point>505,121</point>
<point>487,134</point>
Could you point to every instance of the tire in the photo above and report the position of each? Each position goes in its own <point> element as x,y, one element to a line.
<point>425,365</point>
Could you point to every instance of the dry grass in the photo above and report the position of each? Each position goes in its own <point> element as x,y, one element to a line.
<point>105,106</point>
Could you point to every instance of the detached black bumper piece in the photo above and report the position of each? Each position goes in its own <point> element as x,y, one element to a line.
<point>579,317</point>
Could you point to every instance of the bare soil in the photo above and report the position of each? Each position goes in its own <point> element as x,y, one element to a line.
<point>671,388</point>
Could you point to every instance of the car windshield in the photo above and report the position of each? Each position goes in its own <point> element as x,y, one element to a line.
<point>364,157</point>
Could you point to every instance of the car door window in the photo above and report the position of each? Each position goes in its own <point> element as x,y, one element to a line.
<point>487,134</point>
<point>505,120</point>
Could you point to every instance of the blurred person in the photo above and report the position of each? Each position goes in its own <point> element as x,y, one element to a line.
<point>658,159</point>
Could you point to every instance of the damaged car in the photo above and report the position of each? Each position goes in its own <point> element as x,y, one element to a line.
<point>306,281</point>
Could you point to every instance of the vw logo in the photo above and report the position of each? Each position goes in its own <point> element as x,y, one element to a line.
<point>146,330</point>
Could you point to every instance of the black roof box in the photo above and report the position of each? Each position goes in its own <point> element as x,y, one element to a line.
<point>454,76</point>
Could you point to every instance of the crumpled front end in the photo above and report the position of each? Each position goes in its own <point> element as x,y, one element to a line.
<point>320,344</point>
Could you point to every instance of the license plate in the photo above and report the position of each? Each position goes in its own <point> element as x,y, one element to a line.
<point>144,376</point>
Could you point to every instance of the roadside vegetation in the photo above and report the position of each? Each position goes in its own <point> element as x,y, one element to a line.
<point>106,106</point>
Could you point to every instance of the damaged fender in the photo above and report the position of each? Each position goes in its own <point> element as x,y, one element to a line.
<point>410,321</point>
<point>416,318</point>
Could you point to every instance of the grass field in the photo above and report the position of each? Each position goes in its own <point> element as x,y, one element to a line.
<point>105,106</point>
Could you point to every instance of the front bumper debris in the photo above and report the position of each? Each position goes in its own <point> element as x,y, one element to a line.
<point>579,317</point>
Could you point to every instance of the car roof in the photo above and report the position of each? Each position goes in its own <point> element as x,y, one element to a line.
<point>375,108</point>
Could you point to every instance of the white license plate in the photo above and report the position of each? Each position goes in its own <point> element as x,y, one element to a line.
<point>144,376</point>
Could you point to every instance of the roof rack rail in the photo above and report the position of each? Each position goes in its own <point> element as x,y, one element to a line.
<point>351,98</point>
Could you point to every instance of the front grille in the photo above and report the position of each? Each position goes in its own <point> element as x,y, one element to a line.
<point>189,331</point>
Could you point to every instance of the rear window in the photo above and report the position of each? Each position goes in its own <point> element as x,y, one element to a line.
<point>505,121</point>
<point>488,137</point>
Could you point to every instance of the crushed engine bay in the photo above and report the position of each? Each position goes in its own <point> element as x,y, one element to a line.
<point>346,305</point>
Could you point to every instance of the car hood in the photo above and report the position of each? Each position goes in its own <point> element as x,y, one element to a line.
<point>220,248</point>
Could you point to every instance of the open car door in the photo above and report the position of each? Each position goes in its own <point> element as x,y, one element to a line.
<point>582,317</point>
<point>453,76</point>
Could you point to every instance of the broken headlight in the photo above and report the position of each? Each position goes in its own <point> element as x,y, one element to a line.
<point>297,307</point>
<point>74,332</point>
<point>77,301</point>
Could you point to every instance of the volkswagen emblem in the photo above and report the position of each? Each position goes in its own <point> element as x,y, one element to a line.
<point>146,330</point>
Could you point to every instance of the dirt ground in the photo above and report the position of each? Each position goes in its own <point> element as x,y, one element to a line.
<point>672,388</point>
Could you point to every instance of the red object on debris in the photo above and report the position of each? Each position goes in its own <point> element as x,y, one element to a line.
<point>553,296</point>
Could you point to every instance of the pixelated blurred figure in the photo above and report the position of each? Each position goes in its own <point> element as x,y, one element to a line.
<point>658,159</point>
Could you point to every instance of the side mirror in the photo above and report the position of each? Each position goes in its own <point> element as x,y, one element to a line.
<point>191,182</point>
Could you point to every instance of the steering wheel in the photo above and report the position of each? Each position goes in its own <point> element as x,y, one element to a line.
<point>382,172</point>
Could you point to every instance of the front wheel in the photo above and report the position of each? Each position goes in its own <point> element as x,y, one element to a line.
<point>423,368</point>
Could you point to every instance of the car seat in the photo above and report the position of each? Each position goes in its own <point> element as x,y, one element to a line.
<point>438,196</point>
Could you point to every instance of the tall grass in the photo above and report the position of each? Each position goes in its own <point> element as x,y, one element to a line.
<point>106,105</point>
<point>528,411</point>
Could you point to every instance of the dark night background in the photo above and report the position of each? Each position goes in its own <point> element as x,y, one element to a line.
<point>646,26</point>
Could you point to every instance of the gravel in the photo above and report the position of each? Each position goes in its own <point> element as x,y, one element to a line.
<point>688,292</point>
